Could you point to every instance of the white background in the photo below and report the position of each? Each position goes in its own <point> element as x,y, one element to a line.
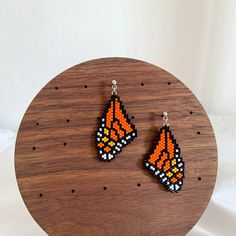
<point>194,40</point>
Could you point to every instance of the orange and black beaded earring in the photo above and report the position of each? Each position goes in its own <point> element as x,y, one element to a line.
<point>164,161</point>
<point>115,130</point>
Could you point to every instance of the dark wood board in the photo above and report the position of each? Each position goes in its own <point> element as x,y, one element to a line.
<point>61,179</point>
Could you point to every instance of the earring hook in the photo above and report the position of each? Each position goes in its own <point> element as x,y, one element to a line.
<point>114,87</point>
<point>165,118</point>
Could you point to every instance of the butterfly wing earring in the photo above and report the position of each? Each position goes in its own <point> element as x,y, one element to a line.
<point>115,130</point>
<point>164,161</point>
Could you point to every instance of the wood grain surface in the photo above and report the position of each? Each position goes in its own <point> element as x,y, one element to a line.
<point>69,191</point>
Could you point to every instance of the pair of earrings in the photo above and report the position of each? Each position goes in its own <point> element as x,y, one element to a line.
<point>116,131</point>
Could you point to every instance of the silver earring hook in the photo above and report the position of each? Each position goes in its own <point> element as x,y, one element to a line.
<point>114,87</point>
<point>165,118</point>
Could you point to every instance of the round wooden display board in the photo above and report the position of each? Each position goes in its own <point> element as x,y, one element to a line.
<point>69,191</point>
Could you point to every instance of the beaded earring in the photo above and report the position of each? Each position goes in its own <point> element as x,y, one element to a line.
<point>115,130</point>
<point>164,161</point>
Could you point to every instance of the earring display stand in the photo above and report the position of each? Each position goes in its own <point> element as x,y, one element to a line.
<point>69,191</point>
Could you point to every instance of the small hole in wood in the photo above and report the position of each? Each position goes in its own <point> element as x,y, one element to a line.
<point>98,118</point>
<point>198,132</point>
<point>138,184</point>
<point>199,178</point>
<point>68,120</point>
<point>33,148</point>
<point>142,84</point>
<point>190,112</point>
<point>40,194</point>
<point>86,86</point>
<point>104,188</point>
<point>37,123</point>
<point>64,143</point>
<point>72,190</point>
<point>169,83</point>
<point>132,117</point>
<point>56,88</point>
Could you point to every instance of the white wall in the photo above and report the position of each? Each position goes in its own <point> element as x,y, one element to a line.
<point>194,40</point>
